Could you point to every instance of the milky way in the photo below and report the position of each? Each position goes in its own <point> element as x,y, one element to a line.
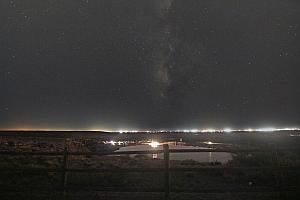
<point>164,50</point>
<point>143,64</point>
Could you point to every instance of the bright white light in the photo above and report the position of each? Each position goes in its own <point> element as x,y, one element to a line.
<point>266,129</point>
<point>154,144</point>
<point>209,142</point>
<point>112,142</point>
<point>228,130</point>
<point>209,131</point>
<point>288,129</point>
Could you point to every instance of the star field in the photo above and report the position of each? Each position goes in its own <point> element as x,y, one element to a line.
<point>144,64</point>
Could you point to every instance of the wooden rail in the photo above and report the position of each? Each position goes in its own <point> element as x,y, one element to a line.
<point>207,150</point>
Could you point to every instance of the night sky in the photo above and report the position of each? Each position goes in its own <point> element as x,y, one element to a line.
<point>149,64</point>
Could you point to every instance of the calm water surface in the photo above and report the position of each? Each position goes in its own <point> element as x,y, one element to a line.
<point>200,157</point>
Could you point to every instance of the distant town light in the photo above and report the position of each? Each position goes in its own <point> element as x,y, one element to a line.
<point>267,129</point>
<point>209,131</point>
<point>228,130</point>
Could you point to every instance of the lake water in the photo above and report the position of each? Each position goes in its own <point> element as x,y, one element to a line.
<point>200,157</point>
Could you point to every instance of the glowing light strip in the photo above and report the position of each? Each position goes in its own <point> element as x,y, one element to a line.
<point>225,130</point>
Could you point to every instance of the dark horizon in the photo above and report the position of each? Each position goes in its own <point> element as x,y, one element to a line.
<point>149,65</point>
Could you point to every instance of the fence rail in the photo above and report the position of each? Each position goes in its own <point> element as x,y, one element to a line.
<point>122,170</point>
<point>64,169</point>
<point>207,150</point>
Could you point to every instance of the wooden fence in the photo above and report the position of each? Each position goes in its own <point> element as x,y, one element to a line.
<point>64,169</point>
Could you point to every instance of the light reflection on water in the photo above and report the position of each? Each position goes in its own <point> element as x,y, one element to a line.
<point>222,157</point>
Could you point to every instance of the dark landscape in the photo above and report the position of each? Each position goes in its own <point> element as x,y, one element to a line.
<point>271,171</point>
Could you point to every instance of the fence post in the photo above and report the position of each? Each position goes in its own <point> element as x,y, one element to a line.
<point>65,173</point>
<point>167,172</point>
<point>279,176</point>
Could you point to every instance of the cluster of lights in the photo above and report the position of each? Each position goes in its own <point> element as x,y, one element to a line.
<point>211,143</point>
<point>142,131</point>
<point>229,130</point>
<point>153,144</point>
<point>115,143</point>
<point>225,130</point>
